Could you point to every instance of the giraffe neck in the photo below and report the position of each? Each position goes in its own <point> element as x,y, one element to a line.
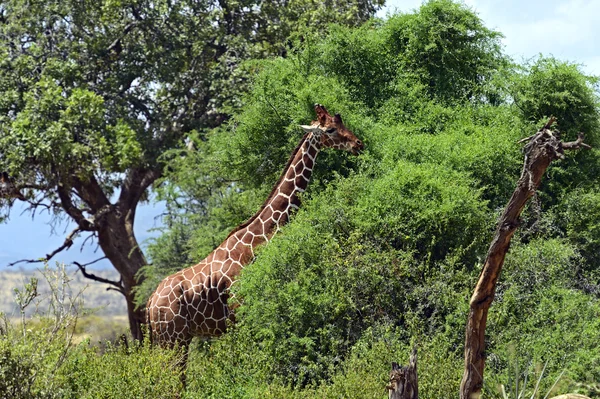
<point>283,199</point>
<point>194,300</point>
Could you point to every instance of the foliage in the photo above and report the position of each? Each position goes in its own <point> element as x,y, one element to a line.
<point>580,221</point>
<point>561,328</point>
<point>43,364</point>
<point>550,87</point>
<point>27,364</point>
<point>44,358</point>
<point>442,51</point>
<point>387,246</point>
<point>547,87</point>
<point>93,87</point>
<point>349,261</point>
<point>92,94</point>
<point>122,372</point>
<point>539,316</point>
<point>222,181</point>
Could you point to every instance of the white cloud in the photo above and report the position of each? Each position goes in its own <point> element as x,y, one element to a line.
<point>567,29</point>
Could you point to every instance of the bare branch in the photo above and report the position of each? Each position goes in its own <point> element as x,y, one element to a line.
<point>39,187</point>
<point>75,213</point>
<point>403,380</point>
<point>34,205</point>
<point>577,144</point>
<point>525,139</point>
<point>550,122</point>
<point>86,239</point>
<point>94,261</point>
<point>66,245</point>
<point>116,46</point>
<point>118,286</point>
<point>134,186</point>
<point>542,148</point>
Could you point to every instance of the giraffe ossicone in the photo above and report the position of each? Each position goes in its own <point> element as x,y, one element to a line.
<point>193,301</point>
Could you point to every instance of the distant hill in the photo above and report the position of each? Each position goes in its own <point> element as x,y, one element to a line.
<point>95,295</point>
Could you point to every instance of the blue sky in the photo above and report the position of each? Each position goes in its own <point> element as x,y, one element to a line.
<point>26,237</point>
<point>566,29</point>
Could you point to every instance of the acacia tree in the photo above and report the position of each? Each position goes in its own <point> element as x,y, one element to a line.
<point>92,93</point>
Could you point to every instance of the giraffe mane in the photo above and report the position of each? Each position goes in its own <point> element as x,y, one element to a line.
<point>273,190</point>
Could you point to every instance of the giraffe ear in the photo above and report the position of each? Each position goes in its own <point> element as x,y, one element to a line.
<point>322,113</point>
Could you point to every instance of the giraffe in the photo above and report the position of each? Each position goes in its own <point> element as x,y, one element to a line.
<point>193,301</point>
<point>8,189</point>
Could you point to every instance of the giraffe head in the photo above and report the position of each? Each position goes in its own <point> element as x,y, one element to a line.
<point>8,188</point>
<point>332,132</point>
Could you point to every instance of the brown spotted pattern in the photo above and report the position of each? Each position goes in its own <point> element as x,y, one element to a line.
<point>193,301</point>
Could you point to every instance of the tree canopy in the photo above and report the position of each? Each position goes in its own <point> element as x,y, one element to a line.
<point>94,93</point>
<point>387,246</point>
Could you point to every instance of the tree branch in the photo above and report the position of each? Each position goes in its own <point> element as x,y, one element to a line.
<point>116,46</point>
<point>39,187</point>
<point>91,192</point>
<point>403,380</point>
<point>71,210</point>
<point>134,186</point>
<point>115,285</point>
<point>66,245</point>
<point>92,235</point>
<point>542,148</point>
<point>577,144</point>
<point>34,205</point>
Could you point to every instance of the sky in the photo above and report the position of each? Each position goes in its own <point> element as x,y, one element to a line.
<point>567,30</point>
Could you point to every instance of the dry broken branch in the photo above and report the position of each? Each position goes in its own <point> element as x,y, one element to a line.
<point>542,148</point>
<point>403,380</point>
<point>115,285</point>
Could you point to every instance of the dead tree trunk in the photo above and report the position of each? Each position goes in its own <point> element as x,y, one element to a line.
<point>403,380</point>
<point>541,149</point>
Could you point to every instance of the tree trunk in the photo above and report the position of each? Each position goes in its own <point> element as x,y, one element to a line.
<point>120,246</point>
<point>542,149</point>
<point>403,380</point>
<point>114,225</point>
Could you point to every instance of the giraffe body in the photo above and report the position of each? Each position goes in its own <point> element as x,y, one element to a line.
<point>193,301</point>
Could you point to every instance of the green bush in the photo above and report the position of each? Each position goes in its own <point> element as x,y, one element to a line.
<point>538,316</point>
<point>550,87</point>
<point>444,49</point>
<point>139,371</point>
<point>388,246</point>
<point>44,355</point>
<point>580,219</point>
<point>46,363</point>
<point>357,255</point>
<point>561,327</point>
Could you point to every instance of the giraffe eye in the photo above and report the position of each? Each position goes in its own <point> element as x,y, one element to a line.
<point>330,130</point>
